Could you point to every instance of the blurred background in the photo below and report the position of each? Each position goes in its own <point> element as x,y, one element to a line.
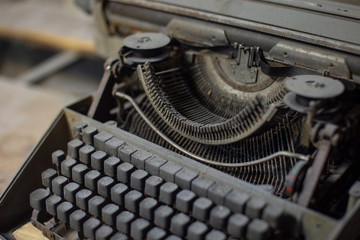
<point>47,61</point>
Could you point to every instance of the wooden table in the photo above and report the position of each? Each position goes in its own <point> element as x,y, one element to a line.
<point>50,23</point>
<point>25,115</point>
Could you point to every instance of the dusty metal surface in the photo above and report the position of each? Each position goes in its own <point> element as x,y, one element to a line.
<point>276,15</point>
<point>267,18</point>
<point>322,221</point>
<point>320,60</point>
<point>310,90</point>
<point>122,16</point>
<point>217,96</point>
<point>14,209</point>
<point>194,33</point>
<point>211,129</point>
<point>145,47</point>
<point>345,8</point>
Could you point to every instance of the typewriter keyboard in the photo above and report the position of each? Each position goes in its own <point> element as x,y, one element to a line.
<point>105,188</point>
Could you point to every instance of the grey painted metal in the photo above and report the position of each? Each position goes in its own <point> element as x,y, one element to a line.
<point>14,203</point>
<point>306,26</point>
<point>339,8</point>
<point>345,228</point>
<point>327,228</point>
<point>204,160</point>
<point>146,41</point>
<point>195,33</point>
<point>276,15</point>
<point>321,60</point>
<point>316,87</point>
<point>140,16</point>
<point>145,47</point>
<point>306,88</point>
<point>307,217</point>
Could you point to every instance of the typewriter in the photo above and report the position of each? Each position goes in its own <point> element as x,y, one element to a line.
<point>213,120</point>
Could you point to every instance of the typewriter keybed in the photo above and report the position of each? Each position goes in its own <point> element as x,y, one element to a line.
<point>105,188</point>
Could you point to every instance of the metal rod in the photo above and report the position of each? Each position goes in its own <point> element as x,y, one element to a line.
<point>204,160</point>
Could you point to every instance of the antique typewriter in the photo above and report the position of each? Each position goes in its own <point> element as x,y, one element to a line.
<point>213,120</point>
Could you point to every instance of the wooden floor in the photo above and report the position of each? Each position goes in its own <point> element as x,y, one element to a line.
<point>26,113</point>
<point>52,23</point>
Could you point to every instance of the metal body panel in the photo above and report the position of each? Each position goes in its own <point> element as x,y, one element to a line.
<point>307,218</point>
<point>331,7</point>
<point>276,20</point>
<point>305,39</point>
<point>14,206</point>
<point>285,17</point>
<point>139,15</point>
<point>14,203</point>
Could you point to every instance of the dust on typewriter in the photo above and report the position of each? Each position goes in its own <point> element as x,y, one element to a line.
<point>209,131</point>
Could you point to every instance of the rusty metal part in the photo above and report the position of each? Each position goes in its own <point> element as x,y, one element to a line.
<point>204,160</point>
<point>210,128</point>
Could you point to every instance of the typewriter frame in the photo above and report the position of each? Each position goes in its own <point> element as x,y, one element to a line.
<point>15,209</point>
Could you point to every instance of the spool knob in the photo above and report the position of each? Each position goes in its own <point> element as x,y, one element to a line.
<point>306,88</point>
<point>146,47</point>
